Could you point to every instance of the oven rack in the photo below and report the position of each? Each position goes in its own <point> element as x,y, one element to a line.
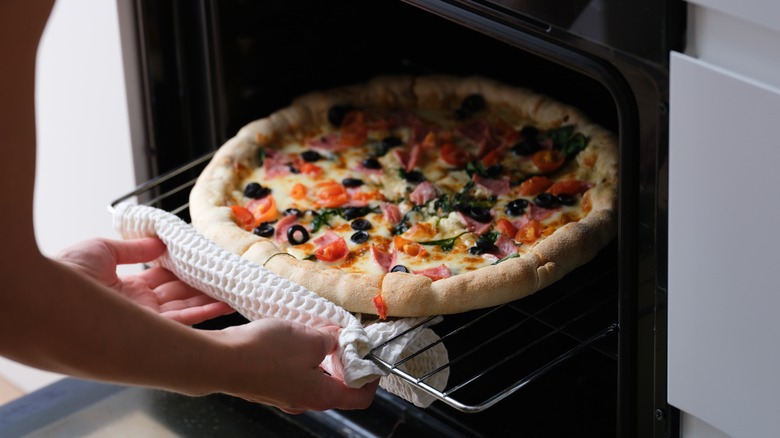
<point>493,353</point>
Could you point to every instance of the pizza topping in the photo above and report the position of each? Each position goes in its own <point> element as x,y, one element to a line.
<point>546,200</point>
<point>436,273</point>
<point>408,247</point>
<point>381,308</point>
<point>331,248</point>
<point>516,207</point>
<point>496,186</point>
<point>243,217</point>
<point>311,156</point>
<point>359,237</point>
<point>352,182</point>
<point>530,232</point>
<point>423,193</point>
<point>360,225</point>
<point>535,185</point>
<point>548,160</point>
<point>452,189</point>
<point>255,190</point>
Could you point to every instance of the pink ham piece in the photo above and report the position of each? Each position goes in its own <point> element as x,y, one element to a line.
<point>328,143</point>
<point>326,239</point>
<point>275,164</point>
<point>391,212</point>
<point>505,246</point>
<point>424,192</point>
<point>408,159</point>
<point>496,186</point>
<point>383,259</point>
<point>436,273</point>
<point>280,235</point>
<point>475,226</point>
<point>538,213</point>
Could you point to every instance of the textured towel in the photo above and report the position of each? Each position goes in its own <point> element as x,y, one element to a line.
<point>255,292</point>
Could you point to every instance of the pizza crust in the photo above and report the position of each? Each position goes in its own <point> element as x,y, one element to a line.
<point>407,294</point>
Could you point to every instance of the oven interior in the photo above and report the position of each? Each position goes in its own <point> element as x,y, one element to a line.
<point>564,361</point>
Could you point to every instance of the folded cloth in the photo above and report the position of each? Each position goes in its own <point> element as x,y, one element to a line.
<point>255,292</point>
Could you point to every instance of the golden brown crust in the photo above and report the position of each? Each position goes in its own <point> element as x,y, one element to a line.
<point>408,294</point>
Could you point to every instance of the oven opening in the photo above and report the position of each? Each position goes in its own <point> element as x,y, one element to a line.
<point>548,364</point>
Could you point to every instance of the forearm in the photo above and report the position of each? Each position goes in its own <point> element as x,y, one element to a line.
<point>65,323</point>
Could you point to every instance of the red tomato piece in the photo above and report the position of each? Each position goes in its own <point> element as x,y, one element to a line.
<point>548,160</point>
<point>535,185</point>
<point>568,187</point>
<point>530,232</point>
<point>333,251</point>
<point>452,154</point>
<point>243,217</point>
<point>381,307</point>
<point>505,227</point>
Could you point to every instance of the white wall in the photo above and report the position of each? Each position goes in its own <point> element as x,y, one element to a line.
<point>84,156</point>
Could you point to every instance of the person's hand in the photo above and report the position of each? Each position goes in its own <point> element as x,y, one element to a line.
<point>280,366</point>
<point>156,288</point>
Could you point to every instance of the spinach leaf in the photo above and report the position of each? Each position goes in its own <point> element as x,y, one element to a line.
<point>444,244</point>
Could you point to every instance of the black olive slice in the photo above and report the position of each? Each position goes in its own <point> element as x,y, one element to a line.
<point>361,225</point>
<point>399,268</point>
<point>359,237</point>
<point>414,176</point>
<point>352,182</point>
<point>297,234</point>
<point>546,200</point>
<point>311,156</point>
<point>265,229</point>
<point>292,211</point>
<point>479,214</point>
<point>567,199</point>
<point>372,163</point>
<point>256,191</point>
<point>516,207</point>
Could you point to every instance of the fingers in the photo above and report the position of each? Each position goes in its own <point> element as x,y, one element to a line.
<point>330,339</point>
<point>195,315</point>
<point>336,395</point>
<point>136,250</point>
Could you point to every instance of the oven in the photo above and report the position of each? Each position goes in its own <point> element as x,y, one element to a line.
<point>586,356</point>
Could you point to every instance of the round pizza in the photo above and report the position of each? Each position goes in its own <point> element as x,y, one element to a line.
<point>415,196</point>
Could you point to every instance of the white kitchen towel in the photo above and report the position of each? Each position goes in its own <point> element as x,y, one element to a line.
<point>255,292</point>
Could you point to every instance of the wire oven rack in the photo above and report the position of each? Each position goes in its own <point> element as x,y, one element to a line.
<point>493,353</point>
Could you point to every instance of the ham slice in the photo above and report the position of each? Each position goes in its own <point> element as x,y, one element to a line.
<point>437,273</point>
<point>383,259</point>
<point>475,226</point>
<point>424,192</point>
<point>496,186</point>
<point>280,235</point>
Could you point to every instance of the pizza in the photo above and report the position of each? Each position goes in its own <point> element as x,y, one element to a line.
<point>414,196</point>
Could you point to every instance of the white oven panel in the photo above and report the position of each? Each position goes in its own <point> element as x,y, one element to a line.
<point>724,248</point>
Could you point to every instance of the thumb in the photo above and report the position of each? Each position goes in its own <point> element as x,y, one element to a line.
<point>137,250</point>
<point>331,338</point>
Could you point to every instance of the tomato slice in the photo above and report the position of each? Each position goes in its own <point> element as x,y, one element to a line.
<point>263,209</point>
<point>333,251</point>
<point>568,187</point>
<point>505,227</point>
<point>492,157</point>
<point>353,129</point>
<point>298,191</point>
<point>243,217</point>
<point>452,154</point>
<point>407,246</point>
<point>548,160</point>
<point>530,232</point>
<point>535,185</point>
<point>381,307</point>
<point>332,194</point>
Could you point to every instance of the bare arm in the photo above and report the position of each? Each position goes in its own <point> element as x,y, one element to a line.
<point>57,318</point>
